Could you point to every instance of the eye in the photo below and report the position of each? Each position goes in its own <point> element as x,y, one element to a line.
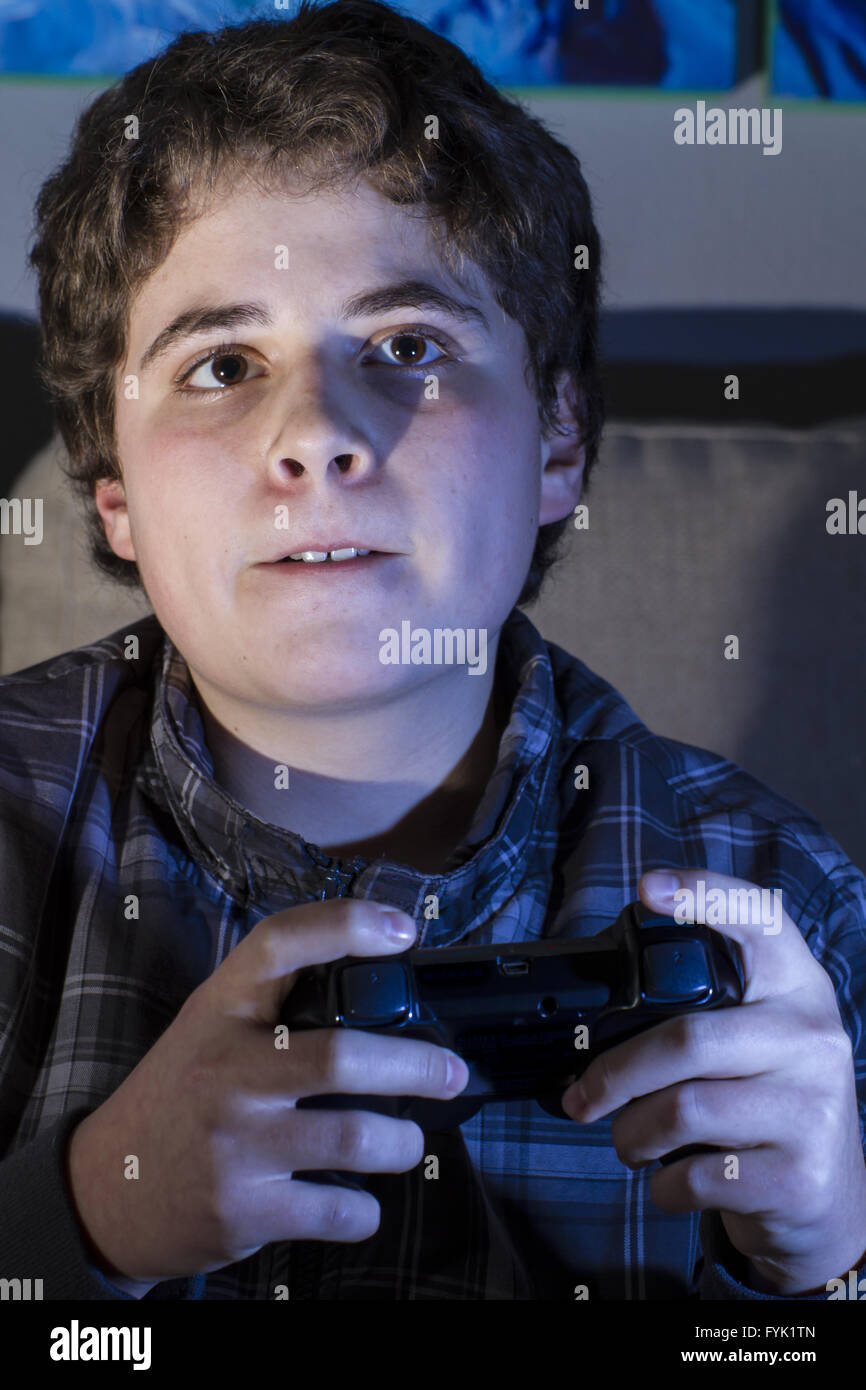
<point>408,345</point>
<point>227,365</point>
<point>230,366</point>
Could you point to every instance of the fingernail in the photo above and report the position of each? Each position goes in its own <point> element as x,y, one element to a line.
<point>662,884</point>
<point>397,927</point>
<point>458,1072</point>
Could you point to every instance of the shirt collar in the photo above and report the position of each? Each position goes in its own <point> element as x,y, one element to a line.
<point>265,865</point>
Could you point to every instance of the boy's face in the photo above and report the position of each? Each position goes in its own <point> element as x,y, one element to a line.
<point>328,426</point>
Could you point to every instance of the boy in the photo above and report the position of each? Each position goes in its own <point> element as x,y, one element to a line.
<point>324,365</point>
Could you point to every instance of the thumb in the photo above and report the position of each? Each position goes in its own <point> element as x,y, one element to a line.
<point>255,978</point>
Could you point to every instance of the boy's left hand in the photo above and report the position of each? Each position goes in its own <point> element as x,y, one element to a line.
<point>770,1081</point>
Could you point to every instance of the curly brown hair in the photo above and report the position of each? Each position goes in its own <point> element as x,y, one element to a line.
<point>333,92</point>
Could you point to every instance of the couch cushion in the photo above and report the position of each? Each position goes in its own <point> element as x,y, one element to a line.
<point>697,533</point>
<point>51,597</point>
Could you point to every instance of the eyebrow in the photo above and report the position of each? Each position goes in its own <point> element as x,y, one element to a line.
<point>209,318</point>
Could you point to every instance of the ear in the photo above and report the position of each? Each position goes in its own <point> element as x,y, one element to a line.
<point>110,500</point>
<point>563,459</point>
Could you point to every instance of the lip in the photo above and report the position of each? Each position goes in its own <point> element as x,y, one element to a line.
<point>328,546</point>
<point>301,571</point>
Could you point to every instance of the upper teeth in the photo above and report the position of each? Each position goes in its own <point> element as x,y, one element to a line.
<point>315,556</point>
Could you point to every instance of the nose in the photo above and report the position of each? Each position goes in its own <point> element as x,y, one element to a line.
<point>318,435</point>
<point>295,468</point>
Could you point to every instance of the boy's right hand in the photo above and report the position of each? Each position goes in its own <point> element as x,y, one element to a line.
<point>210,1114</point>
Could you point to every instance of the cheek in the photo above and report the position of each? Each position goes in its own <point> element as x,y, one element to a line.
<point>174,485</point>
<point>499,482</point>
<point>495,524</point>
<point>179,527</point>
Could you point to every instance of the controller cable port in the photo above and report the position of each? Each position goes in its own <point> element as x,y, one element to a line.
<point>513,967</point>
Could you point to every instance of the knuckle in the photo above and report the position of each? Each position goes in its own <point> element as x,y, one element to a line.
<point>694,1184</point>
<point>355,914</point>
<point>434,1068</point>
<point>219,1215</point>
<point>341,1215</point>
<point>835,1042</point>
<point>415,1143</point>
<point>709,1033</point>
<point>229,1115</point>
<point>407,1149</point>
<point>813,1169</point>
<point>684,1031</point>
<point>683,1111</point>
<point>330,1055</point>
<point>272,947</point>
<point>804,1183</point>
<point>354,1139</point>
<point>821,1187</point>
<point>825,1117</point>
<point>829,1055</point>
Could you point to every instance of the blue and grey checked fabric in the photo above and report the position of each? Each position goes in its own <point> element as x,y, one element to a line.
<point>107,790</point>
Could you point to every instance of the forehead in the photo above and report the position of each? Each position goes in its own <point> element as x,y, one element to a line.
<point>313,248</point>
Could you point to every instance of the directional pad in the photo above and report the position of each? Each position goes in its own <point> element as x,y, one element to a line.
<point>373,996</point>
<point>675,972</point>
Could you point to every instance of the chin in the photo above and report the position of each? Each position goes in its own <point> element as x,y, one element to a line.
<point>324,688</point>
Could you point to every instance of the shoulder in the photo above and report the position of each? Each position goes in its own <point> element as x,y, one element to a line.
<point>697,802</point>
<point>122,658</point>
<point>50,713</point>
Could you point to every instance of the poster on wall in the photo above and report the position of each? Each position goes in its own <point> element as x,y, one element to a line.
<point>655,44</point>
<point>818,49</point>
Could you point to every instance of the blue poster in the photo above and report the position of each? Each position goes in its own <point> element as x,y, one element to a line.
<point>819,49</point>
<point>645,43</point>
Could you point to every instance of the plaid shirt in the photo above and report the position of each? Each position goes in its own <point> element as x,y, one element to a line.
<point>107,790</point>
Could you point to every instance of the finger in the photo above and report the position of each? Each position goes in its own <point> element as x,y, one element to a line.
<point>726,1114</point>
<point>254,979</point>
<point>776,958</point>
<point>318,1212</point>
<point>745,1041</point>
<point>350,1061</point>
<point>352,1141</point>
<point>743,1181</point>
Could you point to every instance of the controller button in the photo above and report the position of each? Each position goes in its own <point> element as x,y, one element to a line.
<point>374,996</point>
<point>675,972</point>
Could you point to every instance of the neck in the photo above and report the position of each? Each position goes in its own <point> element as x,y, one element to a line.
<point>362,785</point>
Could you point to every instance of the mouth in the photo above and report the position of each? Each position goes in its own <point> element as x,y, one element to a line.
<point>334,555</point>
<point>348,558</point>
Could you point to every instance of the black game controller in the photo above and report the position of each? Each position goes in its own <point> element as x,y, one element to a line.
<point>527,1017</point>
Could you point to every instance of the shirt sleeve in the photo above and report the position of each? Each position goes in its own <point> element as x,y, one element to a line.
<point>724,1269</point>
<point>40,1236</point>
